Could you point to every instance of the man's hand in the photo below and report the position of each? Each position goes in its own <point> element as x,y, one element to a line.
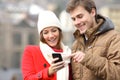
<point>78,56</point>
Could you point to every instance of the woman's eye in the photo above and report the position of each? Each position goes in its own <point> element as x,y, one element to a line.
<point>45,32</point>
<point>54,30</point>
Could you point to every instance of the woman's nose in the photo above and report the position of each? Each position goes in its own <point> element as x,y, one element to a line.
<point>50,34</point>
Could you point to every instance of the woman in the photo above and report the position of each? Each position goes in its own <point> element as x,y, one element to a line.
<point>37,61</point>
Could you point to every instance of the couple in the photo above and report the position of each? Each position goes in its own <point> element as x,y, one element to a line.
<point>95,51</point>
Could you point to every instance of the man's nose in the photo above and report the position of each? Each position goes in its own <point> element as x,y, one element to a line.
<point>77,21</point>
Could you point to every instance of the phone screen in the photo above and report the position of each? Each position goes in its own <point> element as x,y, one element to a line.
<point>57,55</point>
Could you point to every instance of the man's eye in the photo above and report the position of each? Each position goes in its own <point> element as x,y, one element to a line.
<point>79,16</point>
<point>73,19</point>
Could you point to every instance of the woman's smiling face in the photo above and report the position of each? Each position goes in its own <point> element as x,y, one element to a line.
<point>51,36</point>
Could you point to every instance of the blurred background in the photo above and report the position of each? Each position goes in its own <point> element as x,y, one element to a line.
<point>18,28</point>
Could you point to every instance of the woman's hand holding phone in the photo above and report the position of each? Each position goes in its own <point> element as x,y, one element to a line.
<point>57,64</point>
<point>57,55</point>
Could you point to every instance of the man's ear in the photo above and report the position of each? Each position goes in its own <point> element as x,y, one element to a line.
<point>93,12</point>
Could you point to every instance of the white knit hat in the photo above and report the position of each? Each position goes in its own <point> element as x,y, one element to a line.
<point>47,19</point>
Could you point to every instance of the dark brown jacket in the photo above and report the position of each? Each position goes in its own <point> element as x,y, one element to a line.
<point>102,53</point>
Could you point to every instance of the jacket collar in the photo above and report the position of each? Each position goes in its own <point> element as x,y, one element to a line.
<point>104,24</point>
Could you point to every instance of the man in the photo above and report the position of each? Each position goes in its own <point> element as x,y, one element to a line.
<point>96,48</point>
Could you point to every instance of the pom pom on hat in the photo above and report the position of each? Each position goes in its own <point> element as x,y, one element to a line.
<point>47,19</point>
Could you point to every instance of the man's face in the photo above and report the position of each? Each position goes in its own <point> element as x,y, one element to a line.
<point>82,19</point>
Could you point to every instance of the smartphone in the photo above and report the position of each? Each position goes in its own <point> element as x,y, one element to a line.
<point>57,55</point>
